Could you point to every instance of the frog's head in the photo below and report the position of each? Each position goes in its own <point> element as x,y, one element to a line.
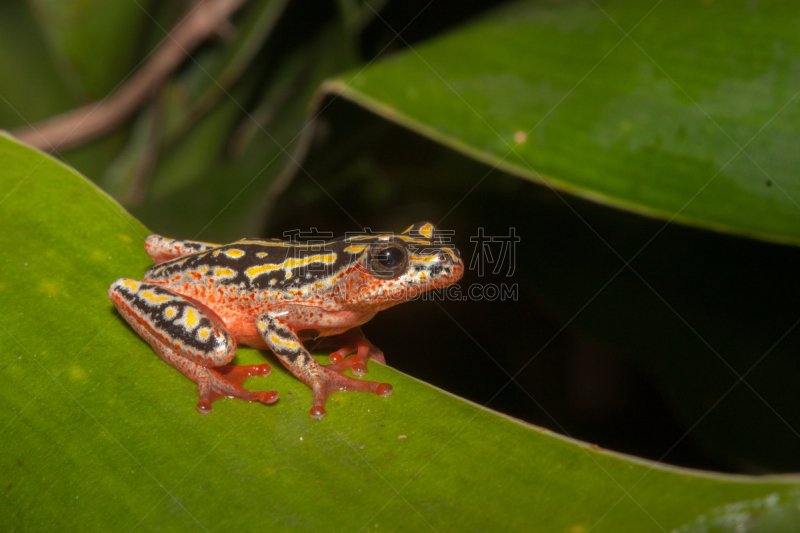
<point>392,268</point>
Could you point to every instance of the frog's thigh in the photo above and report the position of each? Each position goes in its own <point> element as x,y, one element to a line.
<point>178,331</point>
<point>190,339</point>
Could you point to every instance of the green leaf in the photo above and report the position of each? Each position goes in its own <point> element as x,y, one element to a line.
<point>98,434</point>
<point>677,109</point>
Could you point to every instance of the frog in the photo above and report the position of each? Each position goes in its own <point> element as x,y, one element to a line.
<point>200,300</point>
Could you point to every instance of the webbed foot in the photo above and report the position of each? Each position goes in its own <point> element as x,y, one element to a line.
<point>227,381</point>
<point>363,351</point>
<point>326,381</point>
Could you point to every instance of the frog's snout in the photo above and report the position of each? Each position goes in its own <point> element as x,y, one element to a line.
<point>446,269</point>
<point>450,259</point>
<point>458,271</point>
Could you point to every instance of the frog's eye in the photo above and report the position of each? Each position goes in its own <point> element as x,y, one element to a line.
<point>388,260</point>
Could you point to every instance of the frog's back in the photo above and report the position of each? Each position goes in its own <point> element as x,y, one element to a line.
<point>253,264</point>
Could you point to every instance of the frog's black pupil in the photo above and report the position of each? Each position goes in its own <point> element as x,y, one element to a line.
<point>390,257</point>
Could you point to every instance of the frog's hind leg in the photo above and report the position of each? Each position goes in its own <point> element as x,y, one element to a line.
<point>162,249</point>
<point>323,381</point>
<point>350,342</point>
<point>189,337</point>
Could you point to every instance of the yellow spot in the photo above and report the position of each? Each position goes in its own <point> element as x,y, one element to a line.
<point>234,254</point>
<point>49,288</point>
<point>155,299</point>
<point>422,275</point>
<point>520,137</point>
<point>204,243</point>
<point>216,253</point>
<point>191,317</point>
<point>256,271</point>
<point>370,237</point>
<point>261,254</point>
<point>262,325</point>
<point>291,263</point>
<point>131,284</point>
<point>220,272</point>
<point>322,284</point>
<point>276,340</point>
<point>356,249</point>
<point>170,312</point>
<point>275,243</point>
<point>451,253</point>
<point>406,238</point>
<point>424,258</point>
<point>427,230</point>
<point>203,333</point>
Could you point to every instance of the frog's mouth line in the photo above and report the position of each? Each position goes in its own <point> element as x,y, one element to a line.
<point>367,299</point>
<point>405,293</point>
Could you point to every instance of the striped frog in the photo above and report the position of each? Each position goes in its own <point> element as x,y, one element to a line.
<point>200,300</point>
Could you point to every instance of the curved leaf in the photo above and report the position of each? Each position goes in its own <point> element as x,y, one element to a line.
<point>672,109</point>
<point>97,433</point>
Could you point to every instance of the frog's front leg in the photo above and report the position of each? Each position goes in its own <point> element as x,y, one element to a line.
<point>188,336</point>
<point>323,381</point>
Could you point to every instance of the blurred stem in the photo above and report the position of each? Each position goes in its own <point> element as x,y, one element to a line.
<point>143,169</point>
<point>90,121</point>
